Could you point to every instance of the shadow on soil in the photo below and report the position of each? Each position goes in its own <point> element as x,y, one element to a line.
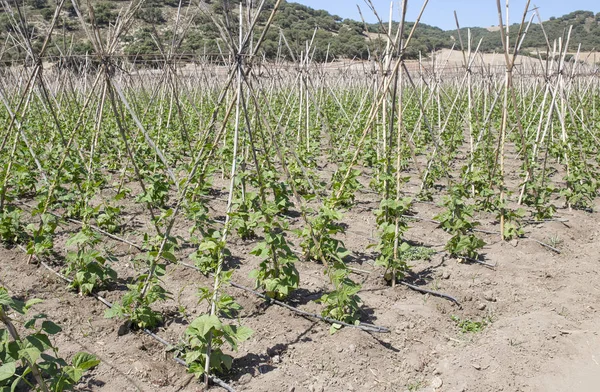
<point>256,364</point>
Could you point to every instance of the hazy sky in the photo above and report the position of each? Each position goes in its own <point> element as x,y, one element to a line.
<point>439,13</point>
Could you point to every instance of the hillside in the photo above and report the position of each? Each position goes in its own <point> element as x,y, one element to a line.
<point>294,25</point>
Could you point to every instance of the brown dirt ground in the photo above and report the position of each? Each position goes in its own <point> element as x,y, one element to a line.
<point>542,308</point>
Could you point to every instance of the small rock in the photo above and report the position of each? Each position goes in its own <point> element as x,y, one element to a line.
<point>477,366</point>
<point>276,359</point>
<point>292,389</point>
<point>436,382</point>
<point>352,348</point>
<point>481,306</point>
<point>514,242</point>
<point>245,379</point>
<point>446,275</point>
<point>489,296</point>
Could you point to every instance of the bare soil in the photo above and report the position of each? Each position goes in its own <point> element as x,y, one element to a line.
<point>540,308</point>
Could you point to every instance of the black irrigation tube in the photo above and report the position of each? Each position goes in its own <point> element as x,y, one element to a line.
<point>539,222</point>
<point>364,326</point>
<point>545,245</point>
<point>359,271</point>
<point>491,266</point>
<point>215,380</point>
<point>431,292</point>
<point>497,232</point>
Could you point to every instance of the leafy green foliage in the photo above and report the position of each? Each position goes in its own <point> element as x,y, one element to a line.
<point>344,188</point>
<point>477,177</point>
<point>582,189</point>
<point>137,307</point>
<point>318,240</point>
<point>109,219</point>
<point>512,225</point>
<point>246,215</point>
<point>538,196</point>
<point>281,199</point>
<point>157,191</point>
<point>276,274</point>
<point>41,242</point>
<point>210,250</point>
<point>11,229</point>
<point>207,329</point>
<point>306,182</point>
<point>456,221</point>
<point>90,266</point>
<point>342,303</point>
<point>18,354</point>
<point>392,226</point>
<point>469,326</point>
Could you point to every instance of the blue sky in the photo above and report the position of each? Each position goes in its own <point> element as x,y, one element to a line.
<point>439,13</point>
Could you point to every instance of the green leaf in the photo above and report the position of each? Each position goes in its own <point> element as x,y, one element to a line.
<point>334,328</point>
<point>39,340</point>
<point>7,370</point>
<point>192,356</point>
<point>227,361</point>
<point>85,361</point>
<point>31,354</point>
<point>197,369</point>
<point>205,323</point>
<point>160,270</point>
<point>32,302</point>
<point>243,333</point>
<point>74,374</point>
<point>77,239</point>
<point>254,274</point>
<point>169,256</point>
<point>50,328</point>
<point>6,300</point>
<point>207,245</point>
<point>115,311</point>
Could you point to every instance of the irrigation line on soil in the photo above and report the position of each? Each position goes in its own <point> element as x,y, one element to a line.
<point>539,222</point>
<point>545,245</point>
<point>492,266</point>
<point>364,326</point>
<point>215,380</point>
<point>416,288</point>
<point>494,232</point>
<point>426,291</point>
